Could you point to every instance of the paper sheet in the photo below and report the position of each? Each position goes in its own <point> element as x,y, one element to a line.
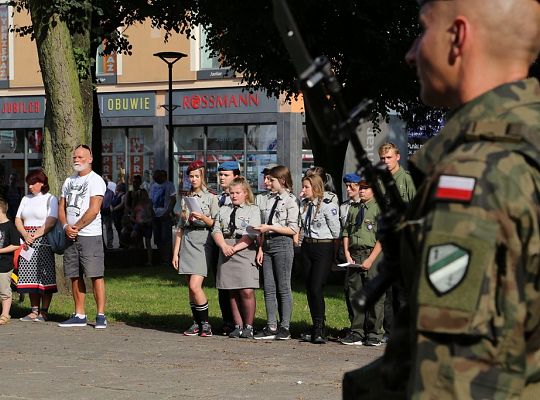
<point>27,253</point>
<point>193,204</point>
<point>347,265</point>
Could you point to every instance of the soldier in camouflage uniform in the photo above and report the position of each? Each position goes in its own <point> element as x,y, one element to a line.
<point>395,295</point>
<point>471,241</point>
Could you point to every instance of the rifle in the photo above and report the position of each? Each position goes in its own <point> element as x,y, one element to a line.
<point>335,123</point>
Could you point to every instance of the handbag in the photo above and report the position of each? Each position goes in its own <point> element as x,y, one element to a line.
<point>15,271</point>
<point>56,236</point>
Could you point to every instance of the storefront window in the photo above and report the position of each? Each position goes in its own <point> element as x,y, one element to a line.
<point>261,147</point>
<point>253,147</point>
<point>307,154</point>
<point>127,152</point>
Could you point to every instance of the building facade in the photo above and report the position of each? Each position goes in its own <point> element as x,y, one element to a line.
<point>215,118</point>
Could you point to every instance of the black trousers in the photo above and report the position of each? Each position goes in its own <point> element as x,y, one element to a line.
<point>317,260</point>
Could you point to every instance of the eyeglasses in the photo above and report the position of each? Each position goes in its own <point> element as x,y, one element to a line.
<point>364,187</point>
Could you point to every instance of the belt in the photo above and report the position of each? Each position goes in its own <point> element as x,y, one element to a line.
<point>196,228</point>
<point>274,235</point>
<point>238,236</point>
<point>311,240</point>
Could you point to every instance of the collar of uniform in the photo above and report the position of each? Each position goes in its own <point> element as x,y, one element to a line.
<point>200,193</point>
<point>487,106</point>
<point>239,206</point>
<point>368,203</point>
<point>399,172</point>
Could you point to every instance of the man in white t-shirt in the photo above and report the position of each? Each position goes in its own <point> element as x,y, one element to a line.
<point>163,196</point>
<point>79,212</point>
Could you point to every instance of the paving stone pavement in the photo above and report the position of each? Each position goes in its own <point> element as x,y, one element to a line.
<point>43,361</point>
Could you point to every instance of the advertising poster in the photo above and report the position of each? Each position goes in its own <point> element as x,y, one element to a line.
<point>136,165</point>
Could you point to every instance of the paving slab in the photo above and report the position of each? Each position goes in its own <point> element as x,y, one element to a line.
<point>43,361</point>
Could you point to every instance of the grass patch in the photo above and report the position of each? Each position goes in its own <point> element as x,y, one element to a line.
<point>158,298</point>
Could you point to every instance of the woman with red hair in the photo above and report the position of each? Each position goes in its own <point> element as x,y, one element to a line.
<point>36,216</point>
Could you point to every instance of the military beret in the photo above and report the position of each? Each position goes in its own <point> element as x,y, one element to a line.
<point>229,166</point>
<point>267,169</point>
<point>352,178</point>
<point>195,165</point>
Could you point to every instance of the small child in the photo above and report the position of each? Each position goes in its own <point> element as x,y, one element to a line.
<point>9,242</point>
<point>361,247</point>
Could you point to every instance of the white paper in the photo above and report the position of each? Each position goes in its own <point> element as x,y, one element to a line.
<point>193,204</point>
<point>347,265</point>
<point>250,230</point>
<point>27,253</point>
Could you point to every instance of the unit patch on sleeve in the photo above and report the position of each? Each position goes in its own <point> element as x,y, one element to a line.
<point>447,265</point>
<point>455,188</point>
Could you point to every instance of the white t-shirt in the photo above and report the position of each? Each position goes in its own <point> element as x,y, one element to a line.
<point>161,195</point>
<point>77,191</point>
<point>33,209</point>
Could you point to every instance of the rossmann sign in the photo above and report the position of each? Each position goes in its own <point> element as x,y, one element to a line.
<point>222,101</point>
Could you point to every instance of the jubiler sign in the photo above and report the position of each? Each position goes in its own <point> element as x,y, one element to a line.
<point>222,101</point>
<point>24,107</point>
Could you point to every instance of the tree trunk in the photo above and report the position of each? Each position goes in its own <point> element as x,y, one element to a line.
<point>64,118</point>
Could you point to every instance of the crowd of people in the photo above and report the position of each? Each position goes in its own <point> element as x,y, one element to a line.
<point>243,240</point>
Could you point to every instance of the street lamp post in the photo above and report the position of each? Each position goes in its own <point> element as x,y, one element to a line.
<point>170,57</point>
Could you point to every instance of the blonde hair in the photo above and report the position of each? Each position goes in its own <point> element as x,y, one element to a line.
<point>203,179</point>
<point>241,181</point>
<point>386,147</point>
<point>317,187</point>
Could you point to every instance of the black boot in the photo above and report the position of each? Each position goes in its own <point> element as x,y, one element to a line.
<point>318,333</point>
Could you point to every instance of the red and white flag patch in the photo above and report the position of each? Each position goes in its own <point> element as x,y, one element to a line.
<point>455,188</point>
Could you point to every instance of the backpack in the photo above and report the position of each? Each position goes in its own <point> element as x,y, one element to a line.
<point>107,201</point>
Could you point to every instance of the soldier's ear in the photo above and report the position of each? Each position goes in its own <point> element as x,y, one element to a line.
<point>460,32</point>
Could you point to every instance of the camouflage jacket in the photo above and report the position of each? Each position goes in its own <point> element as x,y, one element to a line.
<point>471,252</point>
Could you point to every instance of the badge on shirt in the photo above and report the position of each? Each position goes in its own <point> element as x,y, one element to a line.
<point>447,265</point>
<point>455,188</point>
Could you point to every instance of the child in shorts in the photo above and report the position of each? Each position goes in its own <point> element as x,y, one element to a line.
<point>9,242</point>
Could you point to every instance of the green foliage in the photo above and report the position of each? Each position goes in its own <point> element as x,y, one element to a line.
<point>83,63</point>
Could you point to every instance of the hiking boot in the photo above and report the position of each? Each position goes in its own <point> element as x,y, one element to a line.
<point>73,321</point>
<point>236,333</point>
<point>101,322</point>
<point>193,330</point>
<point>283,334</point>
<point>247,332</point>
<point>352,339</point>
<point>206,330</point>
<point>266,334</point>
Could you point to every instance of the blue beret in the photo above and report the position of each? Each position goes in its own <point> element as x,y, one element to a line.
<point>352,178</point>
<point>229,166</point>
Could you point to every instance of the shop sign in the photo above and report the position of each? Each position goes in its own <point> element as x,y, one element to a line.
<point>137,104</point>
<point>23,107</point>
<point>136,165</point>
<point>4,46</point>
<point>222,101</point>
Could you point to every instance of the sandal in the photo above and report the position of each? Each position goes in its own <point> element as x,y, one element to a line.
<point>4,319</point>
<point>30,317</point>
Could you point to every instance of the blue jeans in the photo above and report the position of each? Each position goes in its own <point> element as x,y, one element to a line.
<point>277,269</point>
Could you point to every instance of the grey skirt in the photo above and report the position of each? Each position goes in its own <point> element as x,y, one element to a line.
<point>195,252</point>
<point>239,271</point>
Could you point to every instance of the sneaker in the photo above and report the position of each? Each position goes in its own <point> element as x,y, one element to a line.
<point>73,321</point>
<point>206,330</point>
<point>101,322</point>
<point>236,333</point>
<point>352,339</point>
<point>266,334</point>
<point>283,334</point>
<point>305,337</point>
<point>371,341</point>
<point>227,328</point>
<point>40,318</point>
<point>193,330</point>
<point>385,338</point>
<point>247,332</point>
